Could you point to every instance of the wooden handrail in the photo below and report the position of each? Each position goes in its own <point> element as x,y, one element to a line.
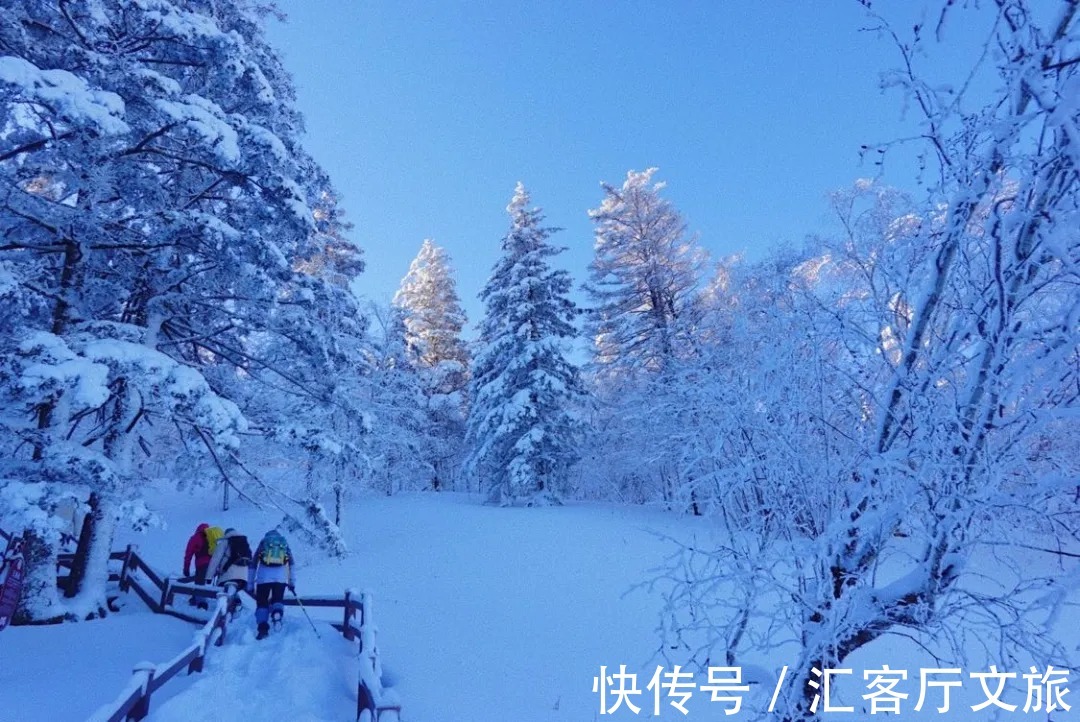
<point>150,573</point>
<point>127,701</point>
<point>133,702</point>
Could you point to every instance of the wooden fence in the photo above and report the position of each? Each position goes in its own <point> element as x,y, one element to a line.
<point>157,592</point>
<point>133,702</point>
<point>64,563</point>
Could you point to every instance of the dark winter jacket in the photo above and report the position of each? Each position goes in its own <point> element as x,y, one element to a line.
<point>197,549</point>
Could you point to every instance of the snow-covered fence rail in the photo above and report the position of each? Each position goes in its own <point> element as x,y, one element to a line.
<point>156,592</point>
<point>373,702</point>
<point>65,562</point>
<point>133,702</point>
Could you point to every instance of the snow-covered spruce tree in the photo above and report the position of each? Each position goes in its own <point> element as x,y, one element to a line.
<point>153,199</point>
<point>433,319</point>
<point>523,432</point>
<point>431,309</point>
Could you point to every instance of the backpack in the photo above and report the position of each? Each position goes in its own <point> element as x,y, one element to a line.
<point>239,552</point>
<point>212,533</point>
<point>275,551</point>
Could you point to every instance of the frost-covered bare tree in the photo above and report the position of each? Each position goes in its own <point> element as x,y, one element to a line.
<point>898,402</point>
<point>400,450</point>
<point>645,289</point>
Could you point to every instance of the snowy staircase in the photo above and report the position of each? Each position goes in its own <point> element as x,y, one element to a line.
<point>374,703</point>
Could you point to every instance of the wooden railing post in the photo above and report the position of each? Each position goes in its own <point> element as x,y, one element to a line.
<point>224,605</point>
<point>196,664</point>
<point>367,635</point>
<point>364,701</point>
<point>166,593</point>
<point>142,708</point>
<point>129,563</point>
<point>346,627</point>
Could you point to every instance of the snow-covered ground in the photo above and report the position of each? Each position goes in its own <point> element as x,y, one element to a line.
<point>292,676</point>
<point>65,672</point>
<point>483,614</point>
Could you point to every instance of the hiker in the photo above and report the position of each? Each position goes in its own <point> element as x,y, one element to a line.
<point>270,573</point>
<point>200,548</point>
<point>229,563</point>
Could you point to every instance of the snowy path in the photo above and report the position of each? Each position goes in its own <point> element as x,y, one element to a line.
<point>292,676</point>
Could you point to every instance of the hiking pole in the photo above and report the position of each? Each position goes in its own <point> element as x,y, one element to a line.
<point>301,605</point>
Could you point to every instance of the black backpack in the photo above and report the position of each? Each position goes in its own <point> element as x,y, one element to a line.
<point>239,552</point>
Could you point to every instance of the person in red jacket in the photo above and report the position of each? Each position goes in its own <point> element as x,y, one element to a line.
<point>198,549</point>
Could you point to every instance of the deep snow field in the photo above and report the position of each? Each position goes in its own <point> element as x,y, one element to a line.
<point>483,614</point>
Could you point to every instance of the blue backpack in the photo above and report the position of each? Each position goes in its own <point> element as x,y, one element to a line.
<point>275,550</point>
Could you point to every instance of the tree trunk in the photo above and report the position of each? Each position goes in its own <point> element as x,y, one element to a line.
<point>39,602</point>
<point>60,322</point>
<point>89,598</point>
<point>801,695</point>
<point>339,503</point>
<point>82,551</point>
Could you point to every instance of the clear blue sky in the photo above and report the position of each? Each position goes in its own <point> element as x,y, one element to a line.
<point>425,114</point>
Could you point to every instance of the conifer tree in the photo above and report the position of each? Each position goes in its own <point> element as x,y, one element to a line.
<point>155,210</point>
<point>433,319</point>
<point>643,280</point>
<point>522,430</point>
<point>431,309</point>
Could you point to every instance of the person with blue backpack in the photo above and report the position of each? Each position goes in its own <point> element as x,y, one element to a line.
<point>271,572</point>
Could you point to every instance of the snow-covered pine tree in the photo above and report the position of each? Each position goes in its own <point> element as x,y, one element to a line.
<point>431,309</point>
<point>523,433</point>
<point>328,255</point>
<point>325,419</point>
<point>643,280</point>
<point>644,286</point>
<point>154,199</point>
<point>433,320</point>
